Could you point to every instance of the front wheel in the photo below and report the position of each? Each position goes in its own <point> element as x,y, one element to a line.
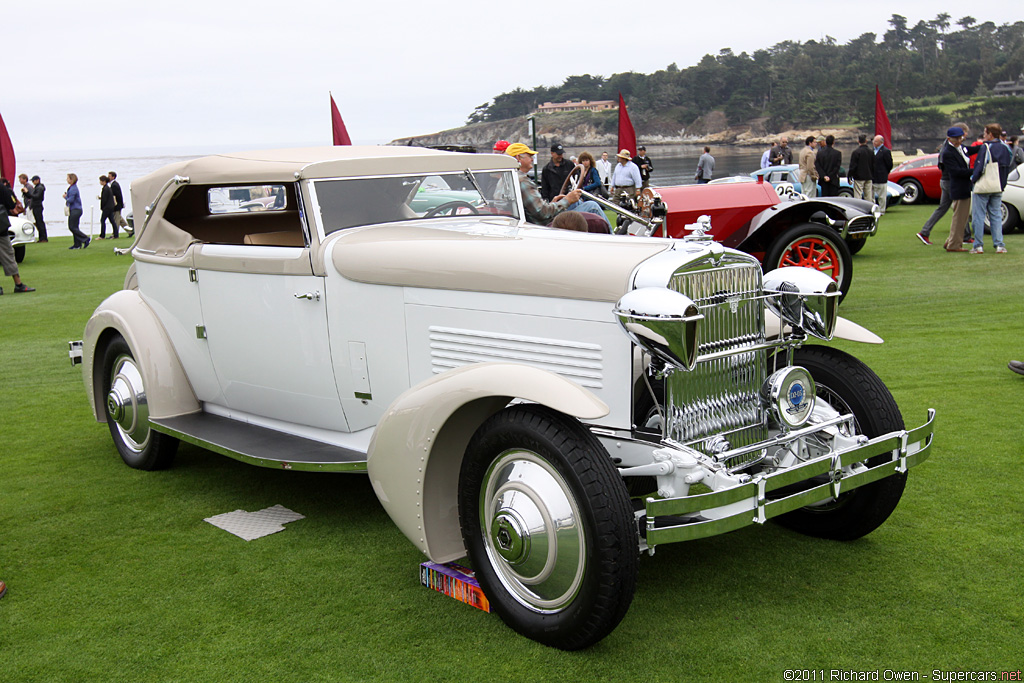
<point>850,386</point>
<point>548,526</point>
<point>19,253</point>
<point>128,412</point>
<point>813,246</point>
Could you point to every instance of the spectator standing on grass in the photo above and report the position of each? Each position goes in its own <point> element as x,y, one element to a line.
<point>26,191</point>
<point>8,201</point>
<point>766,159</point>
<point>38,193</point>
<point>781,154</point>
<point>107,206</point>
<point>1018,151</point>
<point>626,175</point>
<point>953,158</point>
<point>604,169</point>
<point>115,189</point>
<point>954,136</point>
<point>808,176</point>
<point>73,208</point>
<point>988,200</point>
<point>881,164</point>
<point>552,178</point>
<point>827,162</point>
<point>644,163</point>
<point>861,169</point>
<point>705,166</point>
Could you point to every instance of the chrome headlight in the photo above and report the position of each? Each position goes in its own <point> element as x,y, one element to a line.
<point>804,298</point>
<point>789,396</point>
<point>662,322</point>
<point>28,229</point>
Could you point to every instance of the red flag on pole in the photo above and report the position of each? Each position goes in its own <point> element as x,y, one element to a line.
<point>882,126</point>
<point>6,154</point>
<point>627,136</point>
<point>338,126</point>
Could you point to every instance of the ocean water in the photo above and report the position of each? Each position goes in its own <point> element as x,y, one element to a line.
<point>673,165</point>
<point>53,169</point>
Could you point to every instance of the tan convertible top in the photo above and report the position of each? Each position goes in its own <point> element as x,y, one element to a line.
<point>288,165</point>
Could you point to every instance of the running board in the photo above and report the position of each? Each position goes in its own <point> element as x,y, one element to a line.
<point>260,446</point>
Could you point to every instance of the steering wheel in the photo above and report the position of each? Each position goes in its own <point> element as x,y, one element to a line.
<point>573,180</point>
<point>451,208</point>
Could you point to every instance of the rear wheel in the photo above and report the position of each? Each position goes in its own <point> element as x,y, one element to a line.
<point>548,526</point>
<point>845,192</point>
<point>912,191</point>
<point>813,246</point>
<point>128,412</point>
<point>1011,218</point>
<point>849,386</point>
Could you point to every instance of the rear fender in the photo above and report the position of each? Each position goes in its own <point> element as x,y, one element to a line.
<point>416,453</point>
<point>125,313</point>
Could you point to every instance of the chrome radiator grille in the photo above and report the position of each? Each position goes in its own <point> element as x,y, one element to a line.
<point>719,398</point>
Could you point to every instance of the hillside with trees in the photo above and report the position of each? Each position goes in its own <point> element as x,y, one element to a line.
<point>817,84</point>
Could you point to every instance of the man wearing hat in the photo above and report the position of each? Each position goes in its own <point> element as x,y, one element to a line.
<point>554,174</point>
<point>953,137</point>
<point>626,175</point>
<point>538,210</point>
<point>955,165</point>
<point>643,162</point>
<point>500,146</point>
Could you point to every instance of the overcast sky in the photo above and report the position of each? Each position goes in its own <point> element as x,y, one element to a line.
<point>132,76</point>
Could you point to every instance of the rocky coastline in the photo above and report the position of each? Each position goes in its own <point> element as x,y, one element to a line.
<point>586,129</point>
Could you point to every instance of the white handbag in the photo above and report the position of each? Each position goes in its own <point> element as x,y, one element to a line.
<point>989,182</point>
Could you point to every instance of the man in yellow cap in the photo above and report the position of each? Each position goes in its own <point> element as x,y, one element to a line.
<point>538,210</point>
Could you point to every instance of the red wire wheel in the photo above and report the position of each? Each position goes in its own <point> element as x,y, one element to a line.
<point>813,246</point>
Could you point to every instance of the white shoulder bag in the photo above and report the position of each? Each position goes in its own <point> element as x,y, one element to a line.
<point>989,182</point>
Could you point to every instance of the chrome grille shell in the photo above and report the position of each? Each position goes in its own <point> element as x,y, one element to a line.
<point>719,398</point>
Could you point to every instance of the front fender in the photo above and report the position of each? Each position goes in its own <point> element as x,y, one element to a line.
<point>416,452</point>
<point>766,225</point>
<point>168,389</point>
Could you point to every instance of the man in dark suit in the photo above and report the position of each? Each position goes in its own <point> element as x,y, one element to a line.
<point>827,163</point>
<point>880,171</point>
<point>115,189</point>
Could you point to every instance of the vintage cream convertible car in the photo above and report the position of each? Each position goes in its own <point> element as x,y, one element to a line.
<point>549,403</point>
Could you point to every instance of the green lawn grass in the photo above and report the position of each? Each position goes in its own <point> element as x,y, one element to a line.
<point>114,576</point>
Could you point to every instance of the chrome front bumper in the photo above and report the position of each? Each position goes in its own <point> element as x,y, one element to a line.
<point>750,503</point>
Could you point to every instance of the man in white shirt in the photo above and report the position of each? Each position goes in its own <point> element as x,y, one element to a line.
<point>626,175</point>
<point>604,169</point>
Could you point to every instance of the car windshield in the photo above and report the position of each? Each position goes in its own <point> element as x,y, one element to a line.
<point>920,163</point>
<point>350,202</point>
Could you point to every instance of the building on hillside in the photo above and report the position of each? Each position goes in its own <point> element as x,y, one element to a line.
<point>1010,88</point>
<point>582,105</point>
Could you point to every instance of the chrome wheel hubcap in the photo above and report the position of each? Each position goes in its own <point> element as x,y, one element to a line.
<point>533,532</point>
<point>127,407</point>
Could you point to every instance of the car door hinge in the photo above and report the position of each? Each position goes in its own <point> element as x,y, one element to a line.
<point>193,275</point>
<point>200,331</point>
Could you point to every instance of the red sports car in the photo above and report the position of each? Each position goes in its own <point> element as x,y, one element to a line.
<point>919,179</point>
<point>820,233</point>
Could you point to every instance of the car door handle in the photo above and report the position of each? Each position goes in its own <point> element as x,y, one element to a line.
<point>312,296</point>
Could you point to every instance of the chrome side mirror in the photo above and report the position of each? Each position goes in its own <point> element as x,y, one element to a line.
<point>662,322</point>
<point>804,298</point>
